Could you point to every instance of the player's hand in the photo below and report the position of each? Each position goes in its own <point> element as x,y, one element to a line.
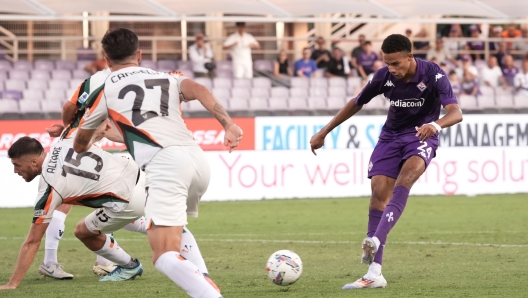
<point>232,137</point>
<point>425,131</point>
<point>317,141</point>
<point>55,130</point>
<point>7,287</point>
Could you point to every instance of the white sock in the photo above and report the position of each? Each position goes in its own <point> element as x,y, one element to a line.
<point>54,233</point>
<point>374,269</point>
<point>189,250</point>
<point>102,261</point>
<point>376,240</point>
<point>186,275</point>
<point>139,225</point>
<point>113,252</point>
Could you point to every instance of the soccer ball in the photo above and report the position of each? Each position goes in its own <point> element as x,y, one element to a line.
<point>284,267</point>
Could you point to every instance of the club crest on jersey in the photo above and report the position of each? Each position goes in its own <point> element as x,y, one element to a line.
<point>421,86</point>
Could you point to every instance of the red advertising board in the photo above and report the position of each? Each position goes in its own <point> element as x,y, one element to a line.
<point>206,131</point>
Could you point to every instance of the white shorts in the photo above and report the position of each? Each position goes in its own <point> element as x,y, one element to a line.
<point>176,179</point>
<point>104,220</point>
<point>242,71</point>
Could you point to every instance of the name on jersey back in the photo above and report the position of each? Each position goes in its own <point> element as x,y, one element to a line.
<point>52,163</point>
<point>118,77</point>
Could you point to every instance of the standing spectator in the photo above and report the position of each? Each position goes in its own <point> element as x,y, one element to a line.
<point>366,60</point>
<point>281,66</point>
<point>240,43</point>
<point>501,53</point>
<point>521,81</point>
<point>421,45</point>
<point>441,53</point>
<point>453,44</point>
<point>511,32</point>
<point>96,65</point>
<point>339,65</point>
<point>455,83</point>
<point>321,55</point>
<point>467,66</point>
<point>305,67</point>
<point>523,45</point>
<point>469,84</point>
<point>509,70</point>
<point>357,50</point>
<point>492,74</point>
<point>201,57</point>
<point>475,45</point>
<point>496,32</point>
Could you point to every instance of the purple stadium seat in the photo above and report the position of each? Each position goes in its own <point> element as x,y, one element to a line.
<point>238,104</point>
<point>59,84</point>
<point>224,65</point>
<point>82,63</point>
<point>279,92</point>
<point>30,94</point>
<point>80,74</point>
<point>377,103</point>
<point>468,102</point>
<point>505,102</point>
<point>61,74</point>
<point>19,74</point>
<point>259,106</point>
<point>487,102</point>
<point>12,94</point>
<point>261,82</point>
<point>5,65</point>
<point>22,64</point>
<point>224,73</point>
<point>242,83</point>
<point>335,103</point>
<point>30,109</point>
<point>298,92</point>
<point>337,82</point>
<point>297,82</point>
<point>205,81</point>
<point>184,65</point>
<point>279,106</point>
<point>260,93</point>
<point>240,93</point>
<point>263,65</point>
<point>9,109</point>
<point>223,93</point>
<point>74,83</point>
<point>167,64</point>
<point>40,75</point>
<point>44,65</point>
<point>86,54</point>
<point>52,108</point>
<point>3,75</point>
<point>15,85</point>
<point>36,84</point>
<point>316,103</point>
<point>298,105</point>
<point>337,92</point>
<point>65,64</point>
<point>2,86</point>
<point>319,82</point>
<point>222,83</point>
<point>521,101</point>
<point>318,92</point>
<point>148,64</point>
<point>55,94</point>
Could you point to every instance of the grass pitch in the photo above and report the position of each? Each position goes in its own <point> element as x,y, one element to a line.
<point>441,247</point>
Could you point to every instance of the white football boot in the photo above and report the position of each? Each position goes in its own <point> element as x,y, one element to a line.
<point>367,282</point>
<point>102,270</point>
<point>54,271</point>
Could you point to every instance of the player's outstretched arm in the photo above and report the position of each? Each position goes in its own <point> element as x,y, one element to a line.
<point>191,90</point>
<point>68,112</point>
<point>452,117</point>
<point>317,141</point>
<point>83,140</point>
<point>27,254</point>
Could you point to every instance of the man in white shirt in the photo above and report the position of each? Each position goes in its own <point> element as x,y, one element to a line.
<point>201,56</point>
<point>467,65</point>
<point>240,44</point>
<point>440,53</point>
<point>520,81</point>
<point>492,75</point>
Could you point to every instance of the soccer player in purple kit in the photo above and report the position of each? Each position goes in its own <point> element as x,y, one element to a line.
<point>415,90</point>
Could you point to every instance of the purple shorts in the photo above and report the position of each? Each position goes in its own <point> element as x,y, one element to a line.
<point>389,155</point>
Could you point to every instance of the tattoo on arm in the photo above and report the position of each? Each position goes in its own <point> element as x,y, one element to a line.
<point>81,140</point>
<point>220,114</point>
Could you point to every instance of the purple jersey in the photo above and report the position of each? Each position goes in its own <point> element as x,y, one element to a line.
<point>509,74</point>
<point>411,104</point>
<point>367,61</point>
<point>476,45</point>
<point>468,86</point>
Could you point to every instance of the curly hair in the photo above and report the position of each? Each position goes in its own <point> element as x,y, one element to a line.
<point>395,43</point>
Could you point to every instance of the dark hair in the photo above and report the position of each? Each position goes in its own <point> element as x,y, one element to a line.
<point>452,72</point>
<point>240,24</point>
<point>367,43</point>
<point>395,43</point>
<point>25,146</point>
<point>119,44</point>
<point>306,48</point>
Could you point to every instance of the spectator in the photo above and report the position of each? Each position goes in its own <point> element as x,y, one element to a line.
<point>441,53</point>
<point>421,45</point>
<point>467,66</point>
<point>453,44</point>
<point>521,81</point>
<point>511,32</point>
<point>357,50</point>
<point>501,53</point>
<point>240,43</point>
<point>201,56</point>
<point>408,33</point>
<point>96,65</point>
<point>376,66</point>
<point>469,84</point>
<point>305,67</point>
<point>339,65</point>
<point>366,60</point>
<point>443,66</point>
<point>455,83</point>
<point>523,45</point>
<point>321,55</point>
<point>509,70</point>
<point>281,66</point>
<point>496,32</point>
<point>492,74</point>
<point>475,45</point>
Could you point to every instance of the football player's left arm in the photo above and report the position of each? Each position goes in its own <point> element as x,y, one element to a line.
<point>68,112</point>
<point>27,254</point>
<point>92,119</point>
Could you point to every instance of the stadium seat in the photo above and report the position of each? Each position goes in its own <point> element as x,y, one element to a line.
<point>222,83</point>
<point>279,106</point>
<point>55,94</point>
<point>81,64</point>
<point>486,102</point>
<point>65,64</point>
<point>22,64</point>
<point>3,75</point>
<point>167,64</point>
<point>261,82</point>
<point>319,82</point>
<point>505,103</point>
<point>44,65</point>
<point>521,104</point>
<point>240,93</point>
<point>184,65</point>
<point>237,104</point>
<point>298,106</point>
<point>297,82</point>
<point>487,91</point>
<point>337,92</point>
<point>12,94</point>
<point>40,75</point>
<point>221,93</point>
<point>318,92</point>
<point>335,103</point>
<point>353,82</point>
<point>19,74</point>
<point>30,109</point>
<point>298,92</point>
<point>224,73</point>
<point>36,84</point>
<point>468,102</point>
<point>31,94</point>
<point>377,105</point>
<point>74,83</point>
<point>242,83</point>
<point>148,64</point>
<point>86,54</point>
<point>317,106</point>
<point>15,85</point>
<point>5,65</point>
<point>279,92</point>
<point>195,109</point>
<point>9,109</point>
<point>224,65</point>
<point>59,84</point>
<point>80,74</point>
<point>51,108</point>
<point>337,82</point>
<point>2,85</point>
<point>263,65</point>
<point>61,74</point>
<point>205,81</point>
<point>259,106</point>
<point>260,93</point>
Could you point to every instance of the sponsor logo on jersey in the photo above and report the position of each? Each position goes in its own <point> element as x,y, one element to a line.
<point>421,86</point>
<point>407,103</point>
<point>389,83</point>
<point>39,212</point>
<point>438,76</point>
<point>82,98</point>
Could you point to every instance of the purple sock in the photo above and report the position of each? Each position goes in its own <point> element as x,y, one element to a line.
<point>374,220</point>
<point>392,213</point>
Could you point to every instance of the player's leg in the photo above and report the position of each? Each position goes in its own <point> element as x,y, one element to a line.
<point>168,186</point>
<point>50,266</point>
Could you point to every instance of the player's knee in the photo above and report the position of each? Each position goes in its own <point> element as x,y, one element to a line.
<point>379,199</point>
<point>80,230</point>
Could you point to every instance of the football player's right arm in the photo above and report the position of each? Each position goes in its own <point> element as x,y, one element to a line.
<point>68,111</point>
<point>92,119</point>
